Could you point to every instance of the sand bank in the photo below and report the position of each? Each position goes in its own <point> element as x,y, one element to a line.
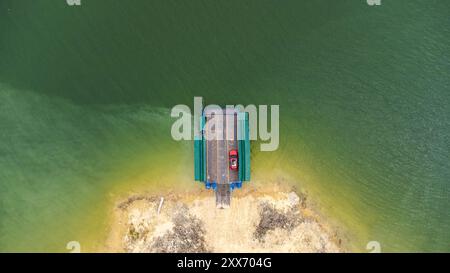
<point>257,221</point>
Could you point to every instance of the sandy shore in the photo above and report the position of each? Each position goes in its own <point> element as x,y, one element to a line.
<point>257,221</point>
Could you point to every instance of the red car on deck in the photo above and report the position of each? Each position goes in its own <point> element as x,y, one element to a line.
<point>233,158</point>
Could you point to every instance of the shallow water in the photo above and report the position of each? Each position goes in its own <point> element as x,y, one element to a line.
<point>363,91</point>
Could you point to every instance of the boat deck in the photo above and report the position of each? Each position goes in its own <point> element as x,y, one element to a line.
<point>219,141</point>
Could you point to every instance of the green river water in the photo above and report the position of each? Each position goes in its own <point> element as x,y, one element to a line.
<point>86,92</point>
